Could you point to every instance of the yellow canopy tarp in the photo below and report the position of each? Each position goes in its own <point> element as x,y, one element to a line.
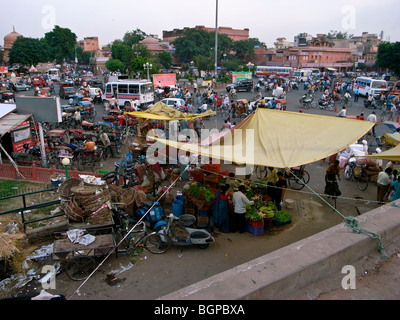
<point>390,155</point>
<point>391,138</point>
<point>281,139</point>
<point>161,111</point>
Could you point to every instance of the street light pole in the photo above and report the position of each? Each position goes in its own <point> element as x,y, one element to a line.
<point>147,66</point>
<point>216,40</point>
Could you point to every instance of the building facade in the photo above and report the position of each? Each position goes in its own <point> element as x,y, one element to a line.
<point>234,34</point>
<point>89,44</point>
<point>9,41</point>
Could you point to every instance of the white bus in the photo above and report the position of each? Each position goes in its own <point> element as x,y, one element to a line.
<point>127,90</point>
<point>54,74</point>
<point>368,86</point>
<point>304,74</point>
<point>265,71</point>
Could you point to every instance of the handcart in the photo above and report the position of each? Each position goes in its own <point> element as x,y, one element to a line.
<point>79,260</point>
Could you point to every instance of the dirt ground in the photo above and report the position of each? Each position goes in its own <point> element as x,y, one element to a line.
<point>149,276</point>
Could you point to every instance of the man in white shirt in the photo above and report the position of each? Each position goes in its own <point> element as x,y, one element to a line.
<point>383,183</point>
<point>342,113</point>
<point>240,201</point>
<point>372,117</point>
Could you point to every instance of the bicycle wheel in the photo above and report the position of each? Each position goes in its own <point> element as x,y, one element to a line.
<point>80,267</point>
<point>313,104</point>
<point>306,176</point>
<point>260,171</point>
<point>80,163</point>
<point>362,181</point>
<point>157,243</point>
<point>296,183</point>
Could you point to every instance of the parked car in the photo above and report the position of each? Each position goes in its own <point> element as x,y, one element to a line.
<point>38,81</point>
<point>22,87</point>
<point>174,101</point>
<point>96,94</point>
<point>67,92</point>
<point>241,85</point>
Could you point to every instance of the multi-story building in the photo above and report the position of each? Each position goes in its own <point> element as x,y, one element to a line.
<point>234,34</point>
<point>89,44</point>
<point>321,52</point>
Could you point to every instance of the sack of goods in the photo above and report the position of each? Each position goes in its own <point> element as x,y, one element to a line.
<point>357,172</point>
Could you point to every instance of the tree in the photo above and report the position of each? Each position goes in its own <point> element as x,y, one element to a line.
<point>123,53</point>
<point>389,56</point>
<point>165,59</point>
<point>244,49</point>
<point>133,37</point>
<point>29,51</point>
<point>62,42</point>
<point>194,43</point>
<point>115,65</point>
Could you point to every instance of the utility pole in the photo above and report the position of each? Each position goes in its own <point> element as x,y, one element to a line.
<point>216,41</point>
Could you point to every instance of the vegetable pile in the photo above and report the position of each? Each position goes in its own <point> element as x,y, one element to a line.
<point>282,217</point>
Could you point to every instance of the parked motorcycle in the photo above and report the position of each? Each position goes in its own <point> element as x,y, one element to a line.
<point>175,232</point>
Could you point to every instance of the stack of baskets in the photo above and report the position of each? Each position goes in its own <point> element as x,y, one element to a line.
<point>79,201</point>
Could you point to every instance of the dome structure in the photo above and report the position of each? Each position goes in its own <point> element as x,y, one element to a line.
<point>153,45</point>
<point>10,38</point>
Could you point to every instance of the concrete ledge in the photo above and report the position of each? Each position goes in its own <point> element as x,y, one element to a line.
<point>295,267</point>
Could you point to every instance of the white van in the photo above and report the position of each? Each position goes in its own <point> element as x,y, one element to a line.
<point>302,74</point>
<point>96,94</point>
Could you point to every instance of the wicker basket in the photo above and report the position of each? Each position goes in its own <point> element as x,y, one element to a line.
<point>73,211</point>
<point>64,189</point>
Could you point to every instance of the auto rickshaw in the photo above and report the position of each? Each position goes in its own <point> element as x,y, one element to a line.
<point>241,107</point>
<point>6,96</point>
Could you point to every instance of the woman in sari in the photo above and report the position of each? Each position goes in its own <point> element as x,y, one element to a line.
<point>221,211</point>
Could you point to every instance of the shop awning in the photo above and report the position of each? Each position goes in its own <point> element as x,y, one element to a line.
<point>11,121</point>
<point>390,155</point>
<point>161,111</point>
<point>281,139</point>
<point>391,138</point>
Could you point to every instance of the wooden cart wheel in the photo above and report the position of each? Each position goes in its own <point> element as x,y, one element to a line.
<point>80,267</point>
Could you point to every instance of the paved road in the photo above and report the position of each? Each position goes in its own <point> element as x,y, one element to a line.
<point>153,276</point>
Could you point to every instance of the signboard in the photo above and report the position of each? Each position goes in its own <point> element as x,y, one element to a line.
<point>43,109</point>
<point>241,75</point>
<point>164,79</point>
<point>3,69</point>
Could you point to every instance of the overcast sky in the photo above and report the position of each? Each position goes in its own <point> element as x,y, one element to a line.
<point>266,19</point>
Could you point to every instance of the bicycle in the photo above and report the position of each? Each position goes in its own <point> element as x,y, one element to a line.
<point>124,170</point>
<point>344,102</point>
<point>133,235</point>
<point>297,177</point>
<point>361,176</point>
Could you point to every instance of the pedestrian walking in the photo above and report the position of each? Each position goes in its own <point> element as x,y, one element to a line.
<point>356,94</point>
<point>372,117</point>
<point>383,184</point>
<point>279,191</point>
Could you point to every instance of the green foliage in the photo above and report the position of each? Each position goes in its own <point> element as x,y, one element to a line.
<point>115,65</point>
<point>62,42</point>
<point>165,59</point>
<point>389,56</point>
<point>29,51</point>
<point>282,216</point>
<point>133,37</point>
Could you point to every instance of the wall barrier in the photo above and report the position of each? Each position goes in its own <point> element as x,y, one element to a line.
<point>37,174</point>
